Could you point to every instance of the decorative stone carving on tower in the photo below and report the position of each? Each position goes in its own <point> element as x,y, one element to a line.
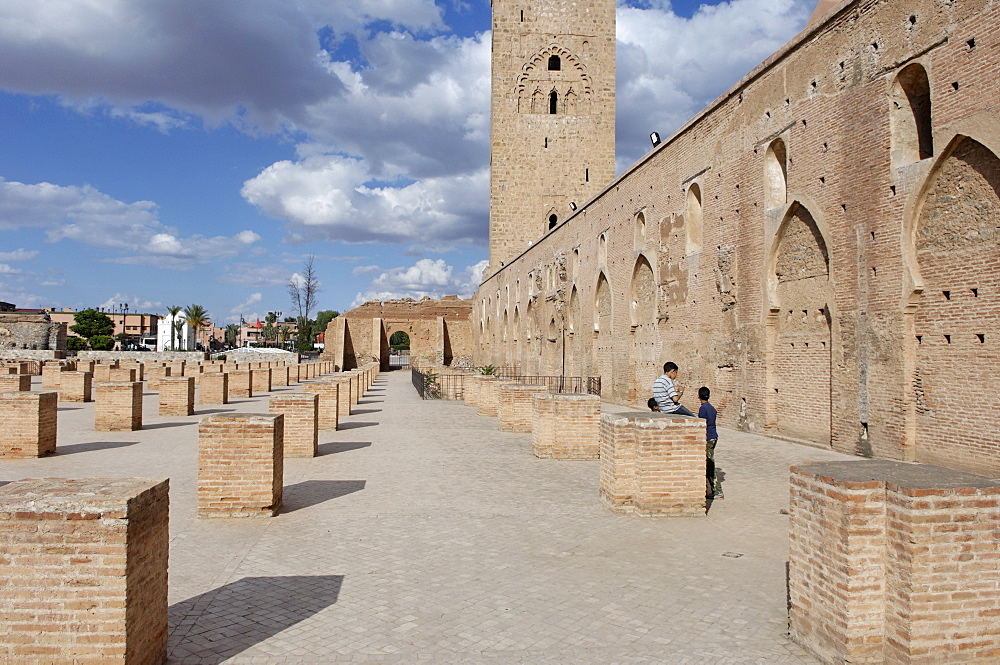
<point>552,116</point>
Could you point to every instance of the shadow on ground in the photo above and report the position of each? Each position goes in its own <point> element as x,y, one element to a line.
<point>221,623</point>
<point>341,446</point>
<point>355,425</point>
<point>92,445</point>
<point>313,492</point>
<point>162,425</point>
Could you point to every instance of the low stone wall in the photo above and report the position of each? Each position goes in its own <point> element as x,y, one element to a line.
<point>255,356</point>
<point>31,354</point>
<point>143,356</point>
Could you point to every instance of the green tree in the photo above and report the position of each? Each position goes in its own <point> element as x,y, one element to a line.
<point>76,343</point>
<point>91,323</point>
<point>173,310</point>
<point>269,331</point>
<point>232,334</point>
<point>102,342</point>
<point>323,318</point>
<point>305,335</point>
<point>197,318</point>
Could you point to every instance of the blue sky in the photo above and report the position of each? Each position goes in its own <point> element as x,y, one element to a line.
<point>161,152</point>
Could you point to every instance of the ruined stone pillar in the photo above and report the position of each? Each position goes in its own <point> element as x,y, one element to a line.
<point>514,406</point>
<point>301,411</point>
<point>154,374</point>
<point>51,375</point>
<point>566,426</point>
<point>488,395</point>
<point>356,386</point>
<point>240,383</point>
<point>76,387</point>
<point>343,393</point>
<point>14,382</point>
<point>29,424</point>
<point>329,394</point>
<point>891,562</point>
<point>102,372</point>
<point>85,577</point>
<point>653,464</point>
<point>177,396</point>
<point>128,374</point>
<point>261,379</point>
<point>214,389</point>
<point>240,465</point>
<point>279,376</point>
<point>118,406</point>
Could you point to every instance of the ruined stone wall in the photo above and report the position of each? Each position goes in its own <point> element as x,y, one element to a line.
<point>32,332</point>
<point>818,246</point>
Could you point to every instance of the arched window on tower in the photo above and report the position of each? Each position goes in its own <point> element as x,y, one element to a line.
<point>553,102</point>
<point>553,220</point>
<point>554,63</point>
<point>912,133</point>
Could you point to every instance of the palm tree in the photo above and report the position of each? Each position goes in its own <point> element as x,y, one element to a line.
<point>179,331</point>
<point>232,333</point>
<point>196,317</point>
<point>173,310</point>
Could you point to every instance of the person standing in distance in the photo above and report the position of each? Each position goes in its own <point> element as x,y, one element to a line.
<point>667,394</point>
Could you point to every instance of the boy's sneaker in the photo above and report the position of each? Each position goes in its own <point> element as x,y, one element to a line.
<point>715,496</point>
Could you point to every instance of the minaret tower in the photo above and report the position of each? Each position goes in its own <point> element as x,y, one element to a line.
<point>552,116</point>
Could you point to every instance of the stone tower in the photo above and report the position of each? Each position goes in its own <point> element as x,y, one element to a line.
<point>552,116</point>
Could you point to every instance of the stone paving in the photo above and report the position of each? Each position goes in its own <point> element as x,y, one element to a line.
<point>423,534</point>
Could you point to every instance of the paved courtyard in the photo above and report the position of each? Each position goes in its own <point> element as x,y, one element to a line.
<point>423,534</point>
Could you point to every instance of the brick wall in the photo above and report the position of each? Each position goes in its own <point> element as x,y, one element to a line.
<point>489,395</point>
<point>471,392</point>
<point>240,383</point>
<point>51,373</point>
<point>240,466</point>
<point>301,411</point>
<point>895,563</point>
<point>177,396</point>
<point>128,374</point>
<point>214,388</point>
<point>279,376</point>
<point>85,572</point>
<point>102,373</point>
<point>514,406</point>
<point>11,382</point>
<point>653,464</point>
<point>329,401</point>
<point>118,406</point>
<point>30,420</point>
<point>261,379</point>
<point>566,426</point>
<point>76,387</point>
<point>154,373</point>
<point>343,393</point>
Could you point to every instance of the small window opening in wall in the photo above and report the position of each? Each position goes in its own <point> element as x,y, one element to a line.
<point>522,16</point>
<point>813,85</point>
<point>767,113</point>
<point>826,147</point>
<point>822,179</point>
<point>971,43</point>
<point>920,339</point>
<point>913,19</point>
<point>873,235</point>
<point>843,206</point>
<point>804,123</point>
<point>975,293</point>
<point>553,103</point>
<point>874,271</point>
<point>947,295</point>
<point>954,84</point>
<point>875,46</point>
<point>553,220</point>
<point>775,392</point>
<point>981,338</point>
<point>843,63</point>
<point>555,64</point>
<point>586,175</point>
<point>947,339</point>
<point>788,101</point>
<point>546,141</point>
<point>892,189</point>
<point>864,431</point>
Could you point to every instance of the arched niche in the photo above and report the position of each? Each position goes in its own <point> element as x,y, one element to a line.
<point>575,343</point>
<point>776,175</point>
<point>642,344</point>
<point>693,218</point>
<point>639,233</point>
<point>643,293</point>
<point>910,117</point>
<point>954,311</point>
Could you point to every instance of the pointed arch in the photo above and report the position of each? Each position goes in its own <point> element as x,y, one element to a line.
<point>642,363</point>
<point>910,116</point>
<point>776,175</point>
<point>693,218</point>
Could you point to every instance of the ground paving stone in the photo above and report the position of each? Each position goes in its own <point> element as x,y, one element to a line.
<point>423,534</point>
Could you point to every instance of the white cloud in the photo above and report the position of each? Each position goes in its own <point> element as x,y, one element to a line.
<point>254,275</point>
<point>86,215</point>
<point>235,312</point>
<point>6,269</point>
<point>431,278</point>
<point>18,254</point>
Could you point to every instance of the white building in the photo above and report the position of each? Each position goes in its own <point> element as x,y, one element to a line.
<point>182,341</point>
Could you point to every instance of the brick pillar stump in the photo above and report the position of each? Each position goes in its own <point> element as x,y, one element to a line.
<point>892,562</point>
<point>102,373</point>
<point>177,396</point>
<point>301,411</point>
<point>118,406</point>
<point>261,380</point>
<point>514,406</point>
<point>14,382</point>
<point>77,387</point>
<point>214,388</point>
<point>29,424</point>
<point>653,464</point>
<point>566,426</point>
<point>154,374</point>
<point>329,402</point>
<point>240,465</point>
<point>139,368</point>
<point>51,376</point>
<point>343,393</point>
<point>127,374</point>
<point>488,395</point>
<point>85,577</point>
<point>471,396</point>
<point>279,376</point>
<point>176,368</point>
<point>355,378</point>
<point>240,383</point>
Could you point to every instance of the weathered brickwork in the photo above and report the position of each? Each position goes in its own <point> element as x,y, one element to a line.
<point>85,571</point>
<point>30,423</point>
<point>118,406</point>
<point>102,373</point>
<point>279,376</point>
<point>489,396</point>
<point>120,374</point>
<point>653,464</point>
<point>11,382</point>
<point>51,375</point>
<point>301,411</point>
<point>76,387</point>
<point>154,374</point>
<point>240,383</point>
<point>177,396</point>
<point>329,396</point>
<point>214,388</point>
<point>566,426</point>
<point>240,467</point>
<point>894,563</point>
<point>343,393</point>
<point>514,406</point>
<point>471,393</point>
<point>818,246</point>
<point>261,379</point>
